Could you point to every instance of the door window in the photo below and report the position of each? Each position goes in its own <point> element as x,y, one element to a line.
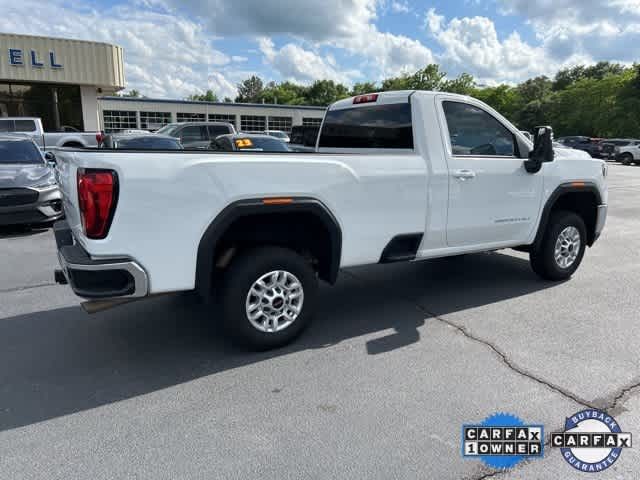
<point>474,132</point>
<point>193,134</point>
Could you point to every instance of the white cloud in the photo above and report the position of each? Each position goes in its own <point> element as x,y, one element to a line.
<point>165,55</point>
<point>348,25</point>
<point>297,64</point>
<point>316,20</point>
<point>591,29</point>
<point>400,6</point>
<point>471,45</point>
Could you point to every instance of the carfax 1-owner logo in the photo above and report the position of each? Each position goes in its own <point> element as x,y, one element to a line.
<point>502,440</point>
<point>592,440</point>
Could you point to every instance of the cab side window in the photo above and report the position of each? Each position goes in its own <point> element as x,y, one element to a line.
<point>475,132</point>
<point>193,133</point>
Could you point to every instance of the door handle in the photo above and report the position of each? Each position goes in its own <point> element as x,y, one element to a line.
<point>464,174</point>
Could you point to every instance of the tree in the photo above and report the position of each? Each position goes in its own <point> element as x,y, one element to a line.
<point>325,92</point>
<point>464,85</point>
<point>428,78</point>
<point>362,88</point>
<point>250,90</point>
<point>208,96</point>
<point>132,93</point>
<point>534,89</point>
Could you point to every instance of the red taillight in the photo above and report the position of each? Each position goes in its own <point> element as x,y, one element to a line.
<point>99,137</point>
<point>369,98</point>
<point>97,197</point>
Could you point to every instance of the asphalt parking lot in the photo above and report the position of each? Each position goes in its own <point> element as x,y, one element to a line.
<point>398,358</point>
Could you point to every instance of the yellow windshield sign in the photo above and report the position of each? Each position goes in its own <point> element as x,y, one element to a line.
<point>244,143</point>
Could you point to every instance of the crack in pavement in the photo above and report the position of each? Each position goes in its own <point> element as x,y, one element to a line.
<point>502,355</point>
<point>606,405</point>
<point>28,287</point>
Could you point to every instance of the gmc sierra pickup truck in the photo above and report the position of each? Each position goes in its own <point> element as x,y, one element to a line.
<point>396,176</point>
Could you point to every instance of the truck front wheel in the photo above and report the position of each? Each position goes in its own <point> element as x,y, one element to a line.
<point>267,297</point>
<point>562,248</point>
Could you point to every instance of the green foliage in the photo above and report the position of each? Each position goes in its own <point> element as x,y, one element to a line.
<point>132,93</point>
<point>362,88</point>
<point>250,90</point>
<point>208,96</point>
<point>601,100</point>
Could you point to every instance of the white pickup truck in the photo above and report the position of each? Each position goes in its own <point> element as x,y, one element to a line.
<point>32,127</point>
<point>397,176</point>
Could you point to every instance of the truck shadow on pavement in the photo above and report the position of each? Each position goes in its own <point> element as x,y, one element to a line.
<point>59,362</point>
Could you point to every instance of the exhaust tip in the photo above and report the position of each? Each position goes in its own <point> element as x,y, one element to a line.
<point>58,276</point>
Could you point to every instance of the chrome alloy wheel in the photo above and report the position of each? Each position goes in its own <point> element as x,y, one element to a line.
<point>274,301</point>
<point>567,247</point>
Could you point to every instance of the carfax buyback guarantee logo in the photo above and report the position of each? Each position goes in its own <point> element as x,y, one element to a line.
<point>592,440</point>
<point>502,440</point>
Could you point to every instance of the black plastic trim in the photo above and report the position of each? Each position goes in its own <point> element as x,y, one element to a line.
<point>253,206</point>
<point>401,248</point>
<point>561,190</point>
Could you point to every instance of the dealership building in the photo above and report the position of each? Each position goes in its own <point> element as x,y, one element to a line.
<point>73,83</point>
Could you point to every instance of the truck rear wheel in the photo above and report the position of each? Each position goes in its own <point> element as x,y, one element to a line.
<point>562,248</point>
<point>268,297</point>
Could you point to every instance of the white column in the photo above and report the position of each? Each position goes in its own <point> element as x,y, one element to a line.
<point>89,101</point>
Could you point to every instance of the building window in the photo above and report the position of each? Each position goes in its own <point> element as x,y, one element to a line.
<point>191,117</point>
<point>311,122</point>
<point>223,117</point>
<point>59,106</point>
<point>154,120</point>
<point>280,123</point>
<point>116,120</point>
<point>252,123</point>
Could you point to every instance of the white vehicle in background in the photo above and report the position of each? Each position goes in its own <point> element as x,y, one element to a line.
<point>278,134</point>
<point>628,154</point>
<point>32,127</point>
<point>397,176</point>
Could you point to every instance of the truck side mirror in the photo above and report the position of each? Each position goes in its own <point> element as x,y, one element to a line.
<point>50,158</point>
<point>542,149</point>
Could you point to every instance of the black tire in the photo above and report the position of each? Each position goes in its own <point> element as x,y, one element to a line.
<point>626,159</point>
<point>237,280</point>
<point>543,259</point>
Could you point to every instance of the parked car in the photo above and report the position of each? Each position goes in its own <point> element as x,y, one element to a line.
<point>29,194</point>
<point>593,146</point>
<point>303,138</point>
<point>248,142</point>
<point>141,142</point>
<point>196,135</point>
<point>278,134</point>
<point>627,154</point>
<point>611,148</point>
<point>253,233</point>
<point>32,127</point>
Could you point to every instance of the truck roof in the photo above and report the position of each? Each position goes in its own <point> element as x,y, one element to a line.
<point>395,96</point>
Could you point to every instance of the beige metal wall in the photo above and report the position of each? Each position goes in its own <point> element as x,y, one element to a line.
<point>83,63</point>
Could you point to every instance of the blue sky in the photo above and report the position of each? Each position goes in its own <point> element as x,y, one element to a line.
<point>177,47</point>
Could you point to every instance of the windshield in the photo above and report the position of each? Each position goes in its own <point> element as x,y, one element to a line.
<point>264,144</point>
<point>277,134</point>
<point>150,142</point>
<point>19,151</point>
<point>167,130</point>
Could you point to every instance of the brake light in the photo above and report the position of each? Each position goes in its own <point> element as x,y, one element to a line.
<point>369,98</point>
<point>97,198</point>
